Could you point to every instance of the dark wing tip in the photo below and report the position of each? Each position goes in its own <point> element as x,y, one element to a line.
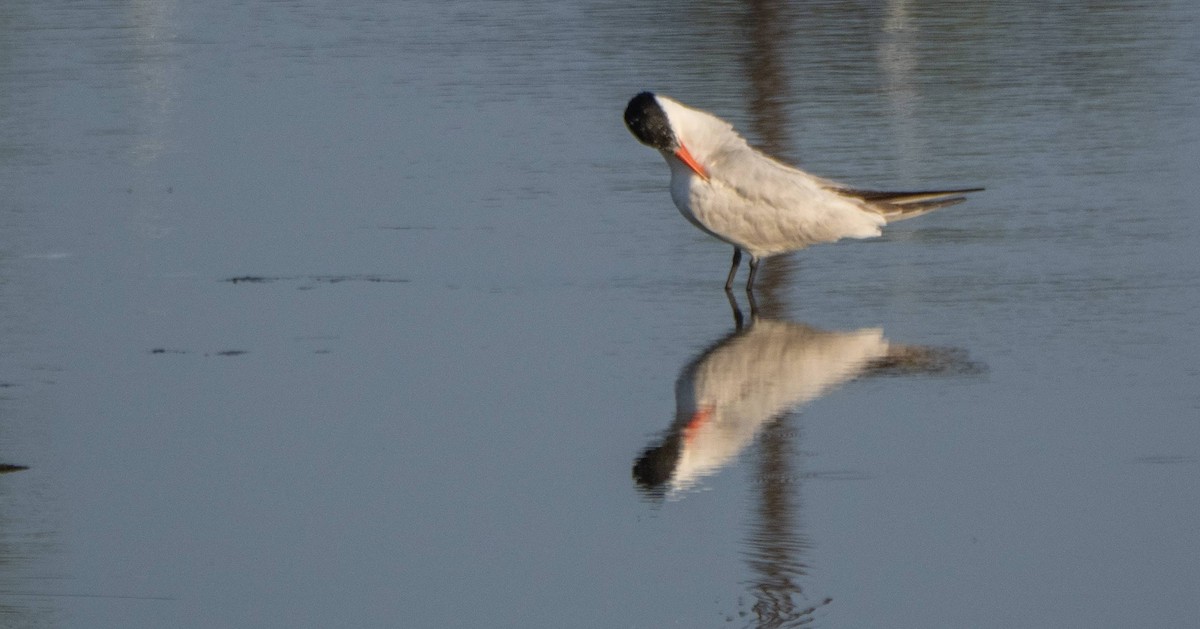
<point>903,197</point>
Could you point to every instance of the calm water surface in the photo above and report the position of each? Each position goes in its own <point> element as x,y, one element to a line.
<point>373,314</point>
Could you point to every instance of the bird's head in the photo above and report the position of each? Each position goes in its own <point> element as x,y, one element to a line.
<point>648,122</point>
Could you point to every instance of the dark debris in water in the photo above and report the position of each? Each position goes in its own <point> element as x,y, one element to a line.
<point>334,279</point>
<point>5,468</point>
<point>315,279</point>
<point>225,352</point>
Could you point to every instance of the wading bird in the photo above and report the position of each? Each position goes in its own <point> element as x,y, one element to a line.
<point>754,202</point>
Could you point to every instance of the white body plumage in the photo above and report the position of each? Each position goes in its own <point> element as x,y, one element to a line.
<point>751,201</point>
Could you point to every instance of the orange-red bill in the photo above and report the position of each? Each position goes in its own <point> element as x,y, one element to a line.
<point>686,157</point>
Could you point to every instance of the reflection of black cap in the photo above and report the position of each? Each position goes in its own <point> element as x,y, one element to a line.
<point>655,467</point>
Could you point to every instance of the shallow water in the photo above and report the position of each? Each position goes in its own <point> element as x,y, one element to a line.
<point>363,314</point>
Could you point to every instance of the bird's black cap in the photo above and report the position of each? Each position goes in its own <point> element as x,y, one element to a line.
<point>648,122</point>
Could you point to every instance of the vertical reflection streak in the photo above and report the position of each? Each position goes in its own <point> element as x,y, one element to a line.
<point>898,61</point>
<point>152,54</point>
<point>767,27</point>
<point>775,545</point>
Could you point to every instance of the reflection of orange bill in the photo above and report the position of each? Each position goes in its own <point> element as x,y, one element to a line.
<point>686,157</point>
<point>698,420</point>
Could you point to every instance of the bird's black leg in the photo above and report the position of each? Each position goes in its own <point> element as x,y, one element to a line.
<point>737,259</point>
<point>753,272</point>
<point>737,312</point>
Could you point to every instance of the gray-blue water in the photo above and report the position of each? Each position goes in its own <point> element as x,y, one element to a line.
<point>363,314</point>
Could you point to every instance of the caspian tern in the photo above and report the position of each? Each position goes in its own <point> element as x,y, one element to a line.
<point>754,202</point>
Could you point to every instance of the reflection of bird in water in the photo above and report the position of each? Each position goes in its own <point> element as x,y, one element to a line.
<point>753,375</point>
<point>758,204</point>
